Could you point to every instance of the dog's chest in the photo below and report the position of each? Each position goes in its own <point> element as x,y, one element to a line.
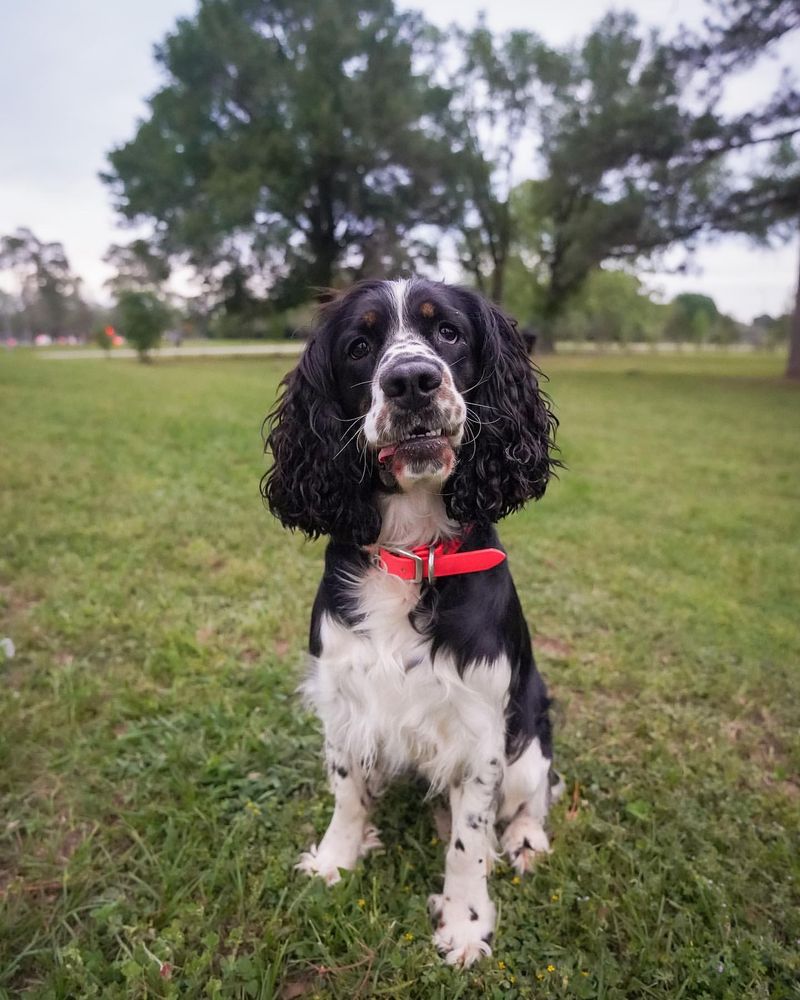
<point>383,696</point>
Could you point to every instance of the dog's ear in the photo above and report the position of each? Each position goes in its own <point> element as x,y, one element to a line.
<point>511,457</point>
<point>319,481</point>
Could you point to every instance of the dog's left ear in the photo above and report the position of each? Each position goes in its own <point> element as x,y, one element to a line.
<point>511,457</point>
<point>319,482</point>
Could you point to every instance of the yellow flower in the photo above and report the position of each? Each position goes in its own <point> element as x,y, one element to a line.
<point>501,964</point>
<point>434,840</point>
<point>584,973</point>
<point>555,897</point>
<point>540,975</point>
<point>362,902</point>
<point>551,968</point>
<point>512,979</point>
<point>408,936</point>
<point>516,880</point>
<point>252,808</point>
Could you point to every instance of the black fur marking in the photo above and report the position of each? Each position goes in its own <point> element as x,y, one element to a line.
<point>473,913</point>
<point>459,846</point>
<point>341,771</point>
<point>472,821</point>
<point>526,845</point>
<point>487,938</point>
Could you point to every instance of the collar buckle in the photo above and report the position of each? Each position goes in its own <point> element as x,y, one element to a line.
<point>419,562</point>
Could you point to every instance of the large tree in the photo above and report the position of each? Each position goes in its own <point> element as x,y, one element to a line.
<point>639,156</point>
<point>291,140</point>
<point>764,203</point>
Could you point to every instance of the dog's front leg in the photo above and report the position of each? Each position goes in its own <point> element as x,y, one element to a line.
<point>463,914</point>
<point>349,836</point>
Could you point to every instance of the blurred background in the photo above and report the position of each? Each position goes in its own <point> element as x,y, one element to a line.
<point>610,176</point>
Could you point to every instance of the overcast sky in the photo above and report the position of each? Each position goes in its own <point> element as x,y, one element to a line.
<point>74,76</point>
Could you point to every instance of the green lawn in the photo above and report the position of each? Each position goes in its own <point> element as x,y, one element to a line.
<point>158,777</point>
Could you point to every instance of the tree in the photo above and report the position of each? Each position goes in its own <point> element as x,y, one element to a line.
<point>692,317</point>
<point>765,205</point>
<point>639,155</point>
<point>48,293</point>
<point>292,139</point>
<point>496,85</point>
<point>142,318</point>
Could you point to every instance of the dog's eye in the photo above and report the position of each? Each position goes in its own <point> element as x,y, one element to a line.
<point>359,348</point>
<point>448,333</point>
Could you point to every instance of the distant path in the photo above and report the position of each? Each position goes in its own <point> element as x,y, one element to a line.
<point>288,349</point>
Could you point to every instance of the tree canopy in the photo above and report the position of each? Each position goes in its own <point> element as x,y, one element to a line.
<point>296,144</point>
<point>290,140</point>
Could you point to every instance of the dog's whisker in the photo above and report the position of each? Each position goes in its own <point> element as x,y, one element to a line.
<point>351,438</point>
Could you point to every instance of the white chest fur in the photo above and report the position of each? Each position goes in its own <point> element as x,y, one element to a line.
<point>386,702</point>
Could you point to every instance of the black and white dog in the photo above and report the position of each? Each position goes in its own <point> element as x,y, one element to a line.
<point>411,424</point>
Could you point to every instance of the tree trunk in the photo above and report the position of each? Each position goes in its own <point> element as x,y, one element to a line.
<point>498,282</point>
<point>793,364</point>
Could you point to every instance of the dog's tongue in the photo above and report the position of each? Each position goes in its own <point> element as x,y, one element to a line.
<point>387,452</point>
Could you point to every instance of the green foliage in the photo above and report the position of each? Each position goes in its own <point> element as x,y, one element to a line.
<point>297,145</point>
<point>138,266</point>
<point>772,331</point>
<point>692,317</point>
<point>497,84</point>
<point>47,296</point>
<point>158,776</point>
<point>611,307</point>
<point>290,142</point>
<point>142,318</point>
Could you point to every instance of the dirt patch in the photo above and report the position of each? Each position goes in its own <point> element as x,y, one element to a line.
<point>552,647</point>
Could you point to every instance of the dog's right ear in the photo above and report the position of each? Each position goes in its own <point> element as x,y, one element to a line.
<point>316,483</point>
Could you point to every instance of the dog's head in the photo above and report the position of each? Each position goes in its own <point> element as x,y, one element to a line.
<point>407,385</point>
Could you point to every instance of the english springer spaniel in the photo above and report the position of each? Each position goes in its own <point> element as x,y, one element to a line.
<point>412,423</point>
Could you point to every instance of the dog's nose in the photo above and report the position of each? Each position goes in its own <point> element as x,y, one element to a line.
<point>410,384</point>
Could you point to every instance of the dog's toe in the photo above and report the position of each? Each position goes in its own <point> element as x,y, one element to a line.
<point>524,841</point>
<point>371,841</point>
<point>311,862</point>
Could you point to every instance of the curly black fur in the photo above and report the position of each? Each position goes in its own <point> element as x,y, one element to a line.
<point>513,454</point>
<point>315,483</point>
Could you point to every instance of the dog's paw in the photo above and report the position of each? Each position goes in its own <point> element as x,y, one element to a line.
<point>334,855</point>
<point>464,929</point>
<point>316,862</point>
<point>523,841</point>
<point>370,841</point>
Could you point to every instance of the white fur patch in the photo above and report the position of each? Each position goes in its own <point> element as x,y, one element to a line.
<point>381,696</point>
<point>417,517</point>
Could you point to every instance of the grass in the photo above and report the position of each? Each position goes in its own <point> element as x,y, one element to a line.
<point>158,778</point>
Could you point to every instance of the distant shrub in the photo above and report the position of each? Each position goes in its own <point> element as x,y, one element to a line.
<point>142,318</point>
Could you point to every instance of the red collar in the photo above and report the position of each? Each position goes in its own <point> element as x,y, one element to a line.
<point>429,562</point>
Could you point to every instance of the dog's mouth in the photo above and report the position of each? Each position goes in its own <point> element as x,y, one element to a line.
<point>419,453</point>
<point>418,438</point>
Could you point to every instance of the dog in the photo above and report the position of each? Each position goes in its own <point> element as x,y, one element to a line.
<point>411,424</point>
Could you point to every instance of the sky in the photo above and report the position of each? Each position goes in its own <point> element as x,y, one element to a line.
<point>74,78</point>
